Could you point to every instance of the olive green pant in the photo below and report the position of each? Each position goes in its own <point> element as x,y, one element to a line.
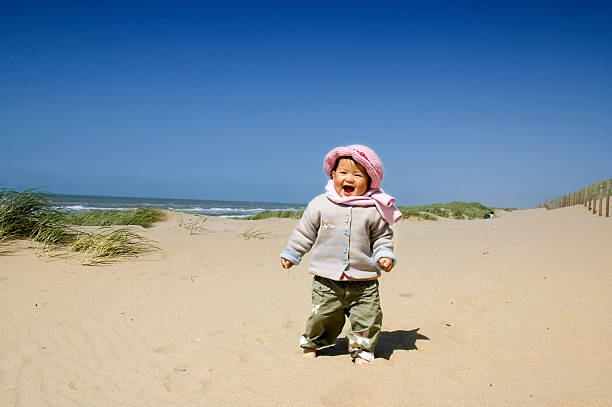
<point>331,302</point>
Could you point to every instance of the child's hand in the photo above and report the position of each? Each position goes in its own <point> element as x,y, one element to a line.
<point>386,264</point>
<point>286,263</point>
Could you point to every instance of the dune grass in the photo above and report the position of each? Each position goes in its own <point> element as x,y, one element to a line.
<point>455,209</point>
<point>410,212</point>
<point>288,213</point>
<point>193,226</point>
<point>144,216</point>
<point>32,215</point>
<point>107,244</point>
<point>253,234</point>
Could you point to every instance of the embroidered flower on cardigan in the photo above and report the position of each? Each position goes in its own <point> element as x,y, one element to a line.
<point>327,225</point>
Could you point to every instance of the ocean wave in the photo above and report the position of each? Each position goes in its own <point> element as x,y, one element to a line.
<point>214,210</point>
<point>105,208</point>
<point>80,208</point>
<point>220,210</point>
<point>231,210</point>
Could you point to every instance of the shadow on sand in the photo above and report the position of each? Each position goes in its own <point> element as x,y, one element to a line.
<point>387,344</point>
<point>4,251</point>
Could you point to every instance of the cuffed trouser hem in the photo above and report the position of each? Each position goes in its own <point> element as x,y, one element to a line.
<point>305,343</point>
<point>364,354</point>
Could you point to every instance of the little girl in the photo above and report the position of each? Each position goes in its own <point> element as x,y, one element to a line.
<point>348,231</point>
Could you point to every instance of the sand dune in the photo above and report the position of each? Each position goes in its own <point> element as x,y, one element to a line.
<point>510,311</point>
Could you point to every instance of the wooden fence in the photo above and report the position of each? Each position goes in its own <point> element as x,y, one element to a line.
<point>591,197</point>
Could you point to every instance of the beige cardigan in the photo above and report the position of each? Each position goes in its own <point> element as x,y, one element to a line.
<point>344,239</point>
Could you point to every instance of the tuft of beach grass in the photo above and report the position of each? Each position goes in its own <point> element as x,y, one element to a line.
<point>107,244</point>
<point>253,234</point>
<point>193,226</point>
<point>286,213</point>
<point>29,214</point>
<point>507,209</point>
<point>415,213</point>
<point>144,216</point>
<point>455,209</point>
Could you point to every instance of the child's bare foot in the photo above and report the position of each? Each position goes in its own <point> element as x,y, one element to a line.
<point>361,362</point>
<point>310,353</point>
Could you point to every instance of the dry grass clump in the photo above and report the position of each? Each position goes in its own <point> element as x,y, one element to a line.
<point>31,215</point>
<point>455,209</point>
<point>253,234</point>
<point>193,226</point>
<point>287,213</point>
<point>408,212</point>
<point>144,216</point>
<point>107,244</point>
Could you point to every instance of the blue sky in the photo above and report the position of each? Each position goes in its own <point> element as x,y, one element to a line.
<point>506,103</point>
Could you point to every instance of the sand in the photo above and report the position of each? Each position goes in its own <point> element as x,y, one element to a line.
<point>516,310</point>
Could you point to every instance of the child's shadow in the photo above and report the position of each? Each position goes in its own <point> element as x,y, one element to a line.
<point>387,344</point>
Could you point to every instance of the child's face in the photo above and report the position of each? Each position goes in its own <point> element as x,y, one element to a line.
<point>350,178</point>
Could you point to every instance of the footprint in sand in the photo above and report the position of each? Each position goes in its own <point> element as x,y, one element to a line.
<point>167,349</point>
<point>289,323</point>
<point>187,379</point>
<point>73,385</point>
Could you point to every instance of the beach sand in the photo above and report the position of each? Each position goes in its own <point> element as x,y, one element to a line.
<point>516,310</point>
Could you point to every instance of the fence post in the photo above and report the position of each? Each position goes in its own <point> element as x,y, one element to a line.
<point>594,200</point>
<point>608,199</point>
<point>600,197</point>
<point>589,208</point>
<point>585,191</point>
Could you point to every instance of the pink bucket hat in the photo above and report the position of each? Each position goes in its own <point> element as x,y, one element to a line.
<point>361,154</point>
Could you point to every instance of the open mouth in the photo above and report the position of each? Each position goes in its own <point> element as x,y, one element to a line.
<point>347,189</point>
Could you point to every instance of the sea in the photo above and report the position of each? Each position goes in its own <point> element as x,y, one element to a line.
<point>79,203</point>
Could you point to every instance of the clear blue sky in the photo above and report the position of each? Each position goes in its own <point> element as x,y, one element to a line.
<point>505,103</point>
